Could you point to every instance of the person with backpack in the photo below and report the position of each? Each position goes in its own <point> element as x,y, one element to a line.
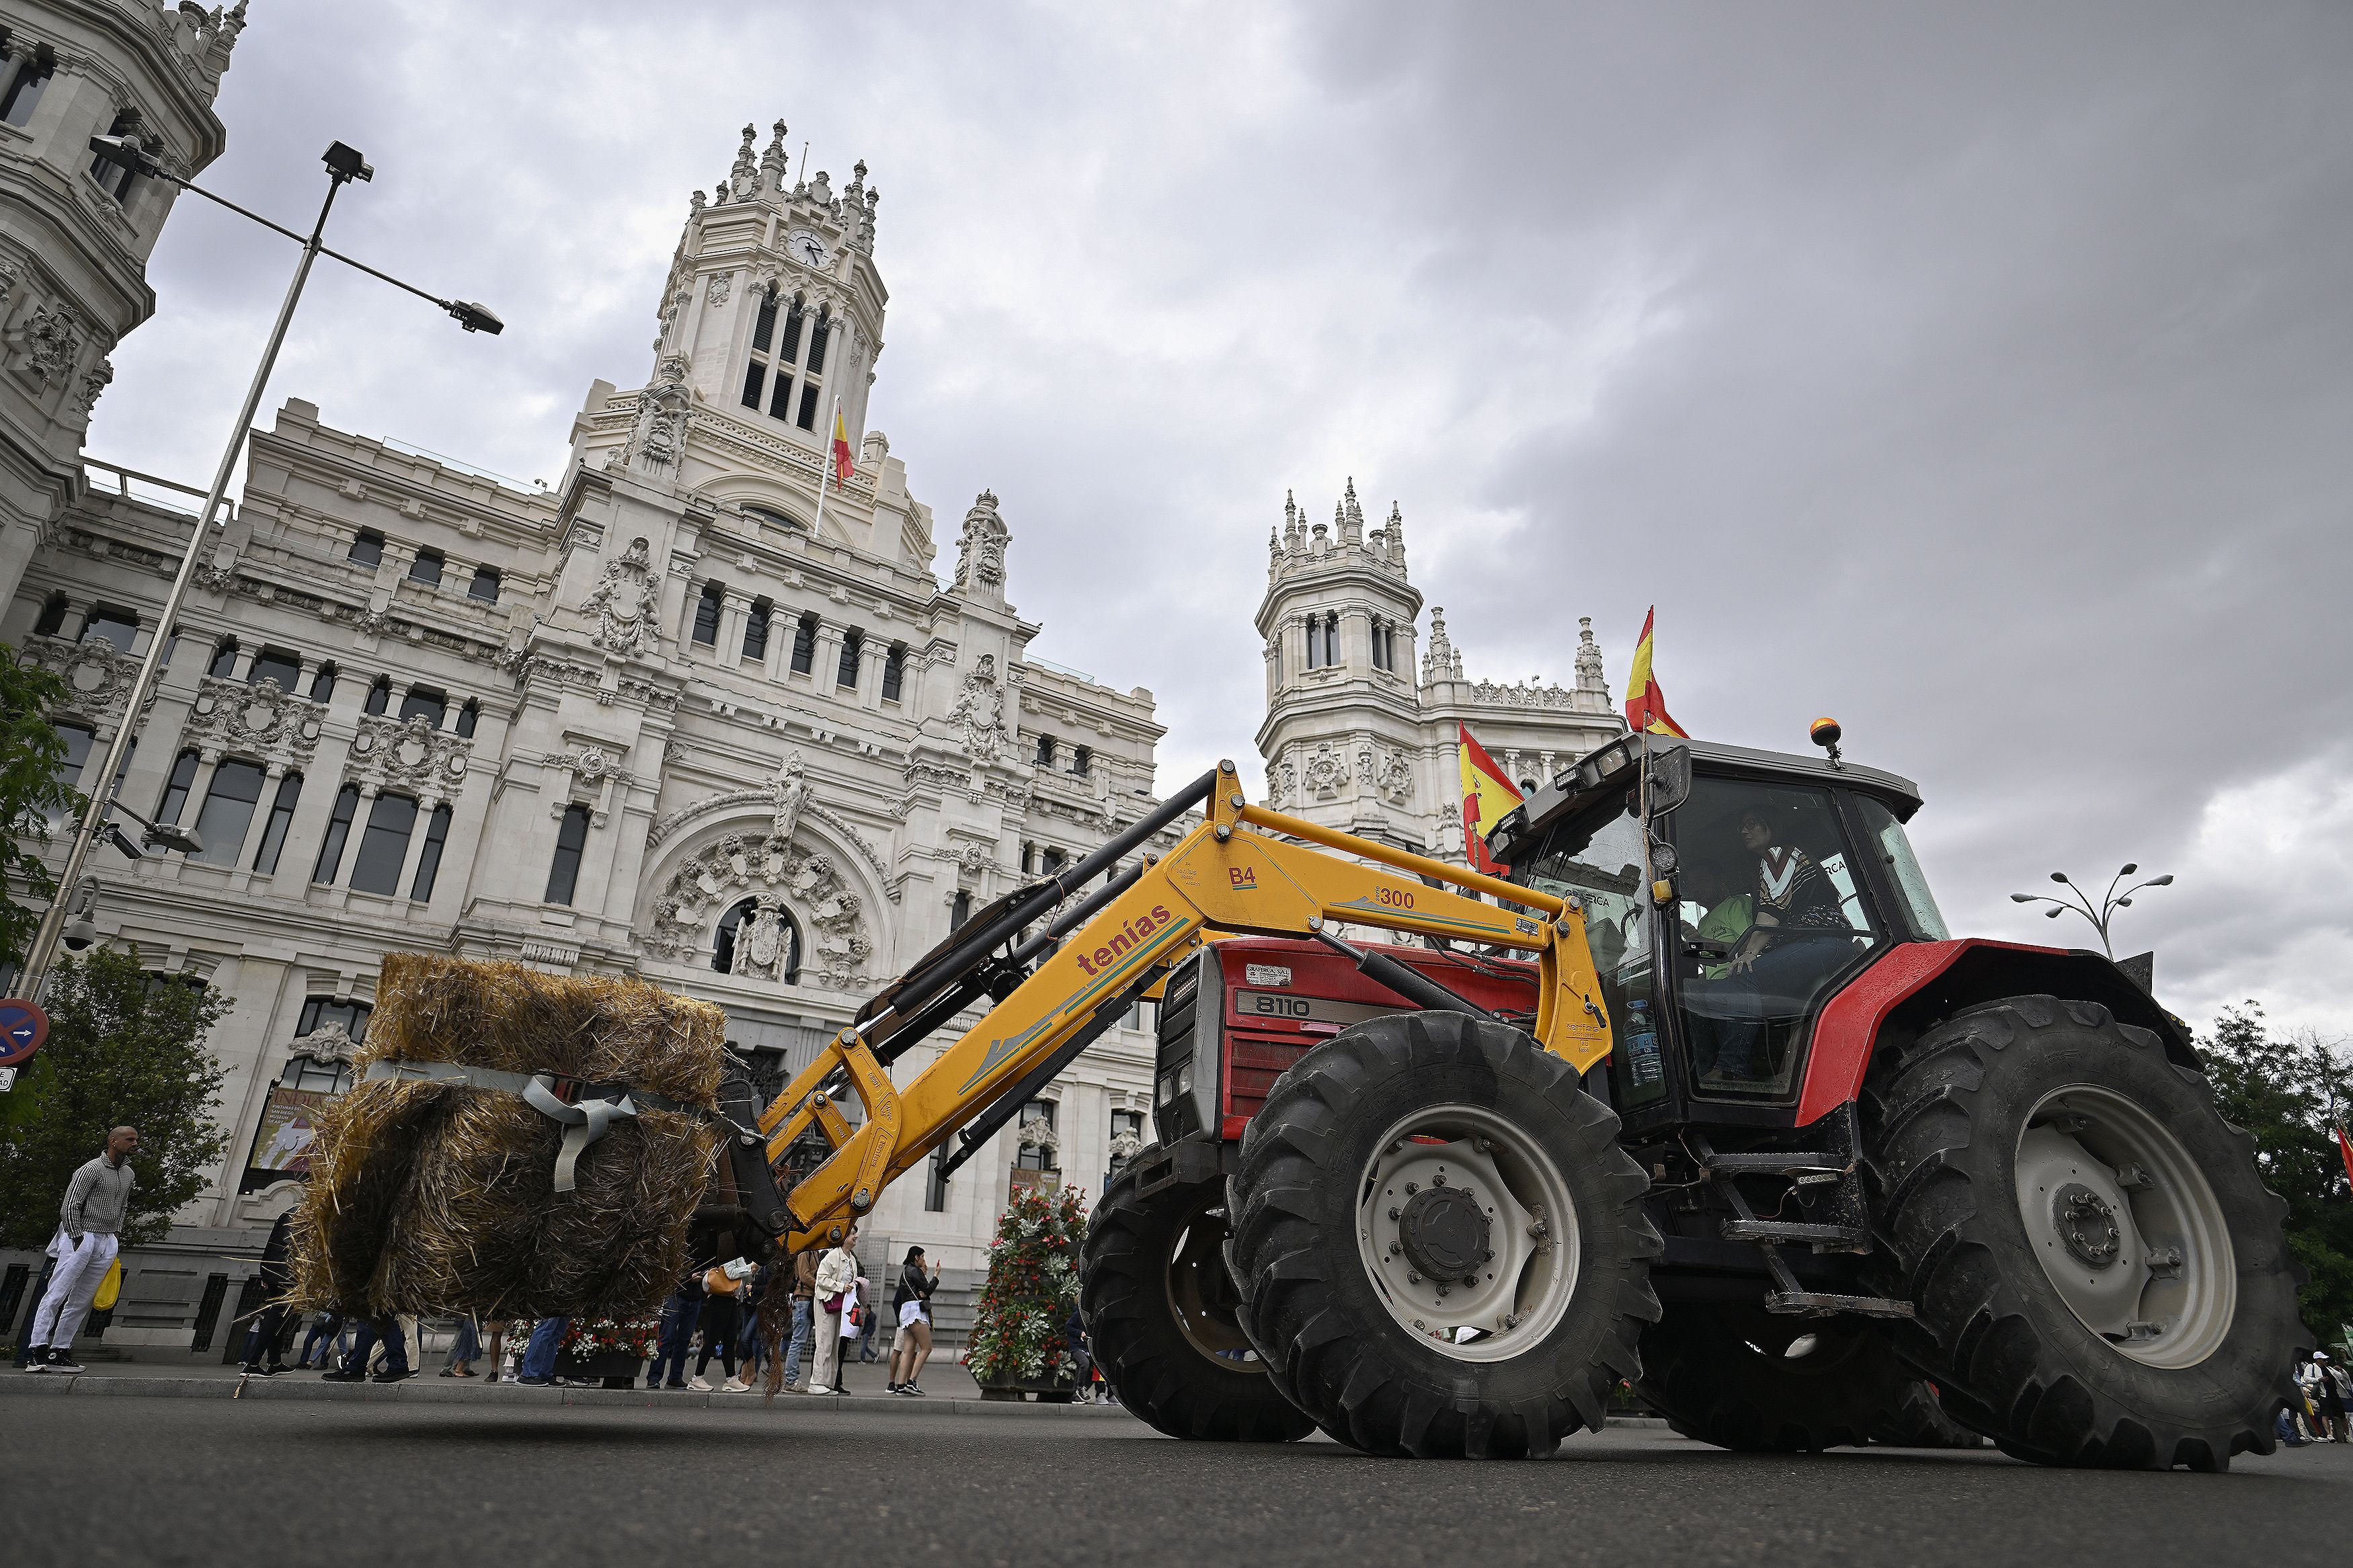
<point>911,1303</point>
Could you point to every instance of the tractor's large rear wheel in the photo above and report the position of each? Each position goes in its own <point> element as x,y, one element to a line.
<point>1743,1378</point>
<point>1160,1310</point>
<point>2097,1269</point>
<point>1440,1247</point>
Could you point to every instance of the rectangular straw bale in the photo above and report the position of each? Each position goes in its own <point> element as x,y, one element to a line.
<point>435,1197</point>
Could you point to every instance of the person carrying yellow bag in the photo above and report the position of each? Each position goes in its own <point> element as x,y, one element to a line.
<point>90,1230</point>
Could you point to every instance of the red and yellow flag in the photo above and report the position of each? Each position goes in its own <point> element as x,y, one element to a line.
<point>1646,705</point>
<point>1488,797</point>
<point>2345,1147</point>
<point>842,466</point>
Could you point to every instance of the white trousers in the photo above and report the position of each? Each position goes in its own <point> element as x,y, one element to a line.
<point>828,1348</point>
<point>79,1272</point>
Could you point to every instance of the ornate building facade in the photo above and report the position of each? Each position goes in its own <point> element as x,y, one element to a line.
<point>1360,733</point>
<point>680,716</point>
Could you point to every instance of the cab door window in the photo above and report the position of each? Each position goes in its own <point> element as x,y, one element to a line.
<point>1596,859</point>
<point>1770,915</point>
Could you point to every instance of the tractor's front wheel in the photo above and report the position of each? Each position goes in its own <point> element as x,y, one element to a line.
<point>1160,1309</point>
<point>1440,1247</point>
<point>2098,1272</point>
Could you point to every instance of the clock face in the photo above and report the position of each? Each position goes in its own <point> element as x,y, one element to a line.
<point>807,250</point>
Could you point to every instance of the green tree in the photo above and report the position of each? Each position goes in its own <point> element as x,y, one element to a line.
<point>31,753</point>
<point>124,1046</point>
<point>2281,1091</point>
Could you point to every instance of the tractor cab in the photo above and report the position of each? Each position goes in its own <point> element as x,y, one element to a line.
<point>1769,882</point>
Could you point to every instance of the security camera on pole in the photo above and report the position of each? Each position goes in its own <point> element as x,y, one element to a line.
<point>345,164</point>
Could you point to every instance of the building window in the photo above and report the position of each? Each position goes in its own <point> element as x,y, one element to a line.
<point>960,911</point>
<point>808,421</point>
<point>820,335</point>
<point>317,1012</point>
<point>175,789</point>
<point>281,817</point>
<point>424,703</point>
<point>384,846</point>
<point>52,619</point>
<point>227,811</point>
<point>429,857</point>
<point>425,568</point>
<point>736,928</point>
<point>1314,642</point>
<point>485,585</point>
<point>224,663</point>
<point>322,684</point>
<point>276,664</point>
<point>467,717</point>
<point>853,644</point>
<point>367,547</point>
<point>805,644</point>
<point>755,630</point>
<point>755,377</point>
<point>1045,751</point>
<point>338,829</point>
<point>1037,1153</point>
<point>789,349</point>
<point>895,673</point>
<point>1051,860</point>
<point>315,1076</point>
<point>27,80</point>
<point>109,624</point>
<point>79,738</point>
<point>1082,761</point>
<point>379,697</point>
<point>571,839</point>
<point>1380,646</point>
<point>1029,859</point>
<point>706,612</point>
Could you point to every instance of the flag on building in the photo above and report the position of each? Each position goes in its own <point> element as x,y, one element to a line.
<point>1646,705</point>
<point>1487,798</point>
<point>2344,1149</point>
<point>842,465</point>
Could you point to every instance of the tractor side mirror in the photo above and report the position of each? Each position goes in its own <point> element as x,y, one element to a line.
<point>1671,779</point>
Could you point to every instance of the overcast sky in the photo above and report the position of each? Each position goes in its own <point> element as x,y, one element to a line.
<point>1978,375</point>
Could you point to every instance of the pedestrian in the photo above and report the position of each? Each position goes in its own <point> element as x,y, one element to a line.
<point>1082,1362</point>
<point>2340,1389</point>
<point>498,1344</point>
<point>465,1347</point>
<point>805,1266</point>
<point>751,1348</point>
<point>89,1236</point>
<point>722,1318</point>
<point>325,1335</point>
<point>538,1369</point>
<point>277,1282</point>
<point>837,1277</point>
<point>387,1328</point>
<point>911,1303</point>
<point>678,1315</point>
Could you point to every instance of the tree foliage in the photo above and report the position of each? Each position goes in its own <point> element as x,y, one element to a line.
<point>31,753</point>
<point>124,1046</point>
<point>2280,1090</point>
<point>1033,1287</point>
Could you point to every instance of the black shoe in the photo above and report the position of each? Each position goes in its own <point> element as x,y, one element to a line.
<point>274,1368</point>
<point>535,1382</point>
<point>340,1375</point>
<point>911,1388</point>
<point>392,1375</point>
<point>63,1361</point>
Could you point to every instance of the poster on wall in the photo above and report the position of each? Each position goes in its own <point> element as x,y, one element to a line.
<point>281,1145</point>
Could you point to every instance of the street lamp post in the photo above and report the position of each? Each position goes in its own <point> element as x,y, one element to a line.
<point>345,164</point>
<point>2110,902</point>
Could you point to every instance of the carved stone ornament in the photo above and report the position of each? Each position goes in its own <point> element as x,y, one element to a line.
<point>1127,1145</point>
<point>980,709</point>
<point>1325,772</point>
<point>50,341</point>
<point>980,549</point>
<point>974,862</point>
<point>97,677</point>
<point>692,900</point>
<point>660,434</point>
<point>410,754</point>
<point>622,603</point>
<point>328,1043</point>
<point>258,718</point>
<point>1396,783</point>
<point>591,764</point>
<point>94,380</point>
<point>1039,1133</point>
<point>715,293</point>
<point>789,790</point>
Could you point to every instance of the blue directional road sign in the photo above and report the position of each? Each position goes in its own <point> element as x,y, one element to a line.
<point>24,1028</point>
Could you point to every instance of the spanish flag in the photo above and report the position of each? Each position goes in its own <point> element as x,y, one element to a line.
<point>1646,705</point>
<point>842,466</point>
<point>1487,798</point>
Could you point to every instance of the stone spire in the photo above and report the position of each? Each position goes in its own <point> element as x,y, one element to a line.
<point>1439,661</point>
<point>1590,676</point>
<point>1289,520</point>
<point>1396,532</point>
<point>774,161</point>
<point>744,176</point>
<point>1352,516</point>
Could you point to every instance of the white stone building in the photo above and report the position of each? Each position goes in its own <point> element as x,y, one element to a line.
<point>1352,739</point>
<point>663,718</point>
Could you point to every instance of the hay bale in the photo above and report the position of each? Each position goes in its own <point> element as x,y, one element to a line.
<point>438,1197</point>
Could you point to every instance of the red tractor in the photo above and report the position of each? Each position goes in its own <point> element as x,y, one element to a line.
<point>1843,1177</point>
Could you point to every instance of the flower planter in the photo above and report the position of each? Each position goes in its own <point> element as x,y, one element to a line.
<point>612,1369</point>
<point>1049,1389</point>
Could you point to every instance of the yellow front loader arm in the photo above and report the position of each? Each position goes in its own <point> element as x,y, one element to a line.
<point>1221,877</point>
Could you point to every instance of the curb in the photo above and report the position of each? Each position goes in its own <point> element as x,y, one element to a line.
<point>421,1391</point>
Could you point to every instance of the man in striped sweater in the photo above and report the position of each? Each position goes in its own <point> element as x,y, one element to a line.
<point>90,1229</point>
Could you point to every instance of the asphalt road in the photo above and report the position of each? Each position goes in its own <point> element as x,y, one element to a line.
<point>259,1484</point>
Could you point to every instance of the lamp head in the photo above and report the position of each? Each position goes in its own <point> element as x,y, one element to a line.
<point>170,835</point>
<point>476,318</point>
<point>1825,732</point>
<point>122,840</point>
<point>345,163</point>
<point>123,151</point>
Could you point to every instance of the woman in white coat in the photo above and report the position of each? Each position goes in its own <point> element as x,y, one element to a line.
<point>835,1278</point>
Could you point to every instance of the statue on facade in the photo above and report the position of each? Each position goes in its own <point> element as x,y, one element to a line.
<point>980,709</point>
<point>761,942</point>
<point>980,549</point>
<point>622,601</point>
<point>790,791</point>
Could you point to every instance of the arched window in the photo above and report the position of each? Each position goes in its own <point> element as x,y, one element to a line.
<point>742,942</point>
<point>571,839</point>
<point>224,658</point>
<point>1314,642</point>
<point>706,612</point>
<point>1332,638</point>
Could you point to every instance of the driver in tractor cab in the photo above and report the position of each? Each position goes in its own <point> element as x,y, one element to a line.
<point>1793,899</point>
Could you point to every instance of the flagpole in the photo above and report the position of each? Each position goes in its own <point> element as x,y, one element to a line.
<point>826,471</point>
